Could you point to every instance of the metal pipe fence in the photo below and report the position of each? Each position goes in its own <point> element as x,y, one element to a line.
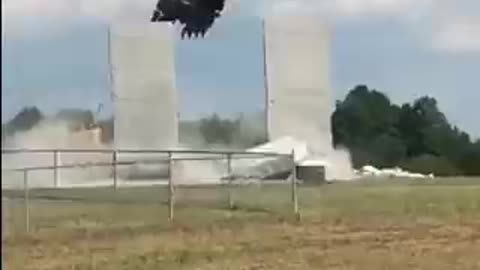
<point>170,158</point>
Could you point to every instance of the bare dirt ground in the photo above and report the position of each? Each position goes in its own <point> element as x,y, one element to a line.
<point>401,225</point>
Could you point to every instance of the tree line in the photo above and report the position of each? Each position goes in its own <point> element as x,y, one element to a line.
<point>416,136</point>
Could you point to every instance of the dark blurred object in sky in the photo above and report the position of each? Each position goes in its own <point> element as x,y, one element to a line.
<point>196,16</point>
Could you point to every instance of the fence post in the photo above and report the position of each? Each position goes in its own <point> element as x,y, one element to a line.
<point>231,203</point>
<point>55,168</point>
<point>294,187</point>
<point>5,223</point>
<point>170,187</point>
<point>5,218</point>
<point>114,165</point>
<point>26,201</point>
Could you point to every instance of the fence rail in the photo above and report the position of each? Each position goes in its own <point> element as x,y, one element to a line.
<point>171,157</point>
<point>139,151</point>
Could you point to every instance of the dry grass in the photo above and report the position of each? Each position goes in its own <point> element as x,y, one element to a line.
<point>368,225</point>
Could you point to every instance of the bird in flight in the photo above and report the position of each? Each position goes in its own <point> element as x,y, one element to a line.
<point>196,16</point>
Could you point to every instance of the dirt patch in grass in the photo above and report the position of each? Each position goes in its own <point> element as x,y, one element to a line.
<point>401,226</point>
<point>312,245</point>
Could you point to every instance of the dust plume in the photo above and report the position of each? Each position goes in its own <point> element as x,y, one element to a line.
<point>50,134</point>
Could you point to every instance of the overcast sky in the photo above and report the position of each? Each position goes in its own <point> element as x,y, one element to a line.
<point>54,53</point>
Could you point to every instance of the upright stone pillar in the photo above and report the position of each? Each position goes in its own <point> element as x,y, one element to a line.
<point>144,88</point>
<point>299,102</point>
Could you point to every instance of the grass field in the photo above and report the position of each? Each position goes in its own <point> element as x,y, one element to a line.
<point>366,225</point>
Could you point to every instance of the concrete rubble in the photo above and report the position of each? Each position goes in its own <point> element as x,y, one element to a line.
<point>397,172</point>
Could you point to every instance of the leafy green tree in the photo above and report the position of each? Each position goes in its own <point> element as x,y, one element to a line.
<point>365,121</point>
<point>24,120</point>
<point>426,164</point>
<point>417,135</point>
<point>387,150</point>
<point>216,130</point>
<point>470,160</point>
